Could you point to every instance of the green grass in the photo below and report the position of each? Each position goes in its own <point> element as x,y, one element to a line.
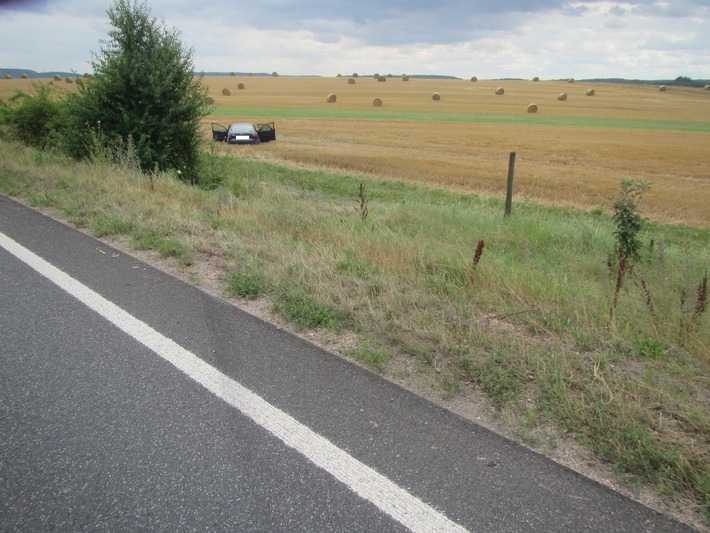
<point>301,308</point>
<point>463,117</point>
<point>530,327</point>
<point>373,357</point>
<point>249,285</point>
<point>107,225</point>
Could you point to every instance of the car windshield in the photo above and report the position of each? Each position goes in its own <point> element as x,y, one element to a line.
<point>242,128</point>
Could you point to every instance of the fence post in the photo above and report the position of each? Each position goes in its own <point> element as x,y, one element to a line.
<point>509,190</point>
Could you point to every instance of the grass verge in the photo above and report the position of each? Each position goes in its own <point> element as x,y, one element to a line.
<point>529,323</point>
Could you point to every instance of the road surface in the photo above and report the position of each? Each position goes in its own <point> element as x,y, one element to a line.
<point>131,400</point>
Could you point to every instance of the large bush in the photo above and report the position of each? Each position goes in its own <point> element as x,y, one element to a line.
<point>142,94</point>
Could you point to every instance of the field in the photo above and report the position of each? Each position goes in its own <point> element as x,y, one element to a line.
<point>570,153</point>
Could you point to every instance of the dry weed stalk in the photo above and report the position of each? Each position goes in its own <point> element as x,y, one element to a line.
<point>362,202</point>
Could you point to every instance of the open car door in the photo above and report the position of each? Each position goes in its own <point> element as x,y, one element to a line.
<point>267,132</point>
<point>219,132</point>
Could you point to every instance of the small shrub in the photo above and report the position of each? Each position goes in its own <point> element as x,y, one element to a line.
<point>34,117</point>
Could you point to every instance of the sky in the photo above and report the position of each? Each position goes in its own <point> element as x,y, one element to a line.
<point>646,39</point>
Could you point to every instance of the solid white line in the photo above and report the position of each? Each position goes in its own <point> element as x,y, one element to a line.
<point>407,509</point>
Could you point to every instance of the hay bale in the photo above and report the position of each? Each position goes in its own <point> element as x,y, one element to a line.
<point>377,102</point>
<point>707,87</point>
<point>331,98</point>
<point>536,78</point>
<point>381,78</point>
<point>436,97</point>
<point>209,100</point>
<point>532,108</point>
<point>226,92</point>
<point>590,92</point>
<point>351,81</point>
<point>68,80</point>
<point>562,97</point>
<point>500,91</point>
<point>405,77</point>
<point>24,76</point>
<point>662,88</point>
<point>8,76</point>
<point>241,86</point>
<point>571,80</point>
<point>474,79</point>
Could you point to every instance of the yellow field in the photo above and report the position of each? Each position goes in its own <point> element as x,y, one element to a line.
<point>569,153</point>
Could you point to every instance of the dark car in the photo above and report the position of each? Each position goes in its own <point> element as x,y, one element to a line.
<point>244,133</point>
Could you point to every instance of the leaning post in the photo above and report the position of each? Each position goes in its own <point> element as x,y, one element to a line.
<point>509,189</point>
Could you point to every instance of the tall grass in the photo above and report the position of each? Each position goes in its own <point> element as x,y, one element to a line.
<point>532,331</point>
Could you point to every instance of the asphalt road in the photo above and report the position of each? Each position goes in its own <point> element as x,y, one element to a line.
<point>100,432</point>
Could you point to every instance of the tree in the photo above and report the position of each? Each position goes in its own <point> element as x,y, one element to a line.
<point>143,93</point>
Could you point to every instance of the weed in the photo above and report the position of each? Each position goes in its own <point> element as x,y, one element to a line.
<point>105,225</point>
<point>362,202</point>
<point>295,304</point>
<point>249,285</point>
<point>372,357</point>
<point>650,348</point>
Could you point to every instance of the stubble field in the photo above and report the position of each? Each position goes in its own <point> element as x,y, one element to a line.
<point>571,153</point>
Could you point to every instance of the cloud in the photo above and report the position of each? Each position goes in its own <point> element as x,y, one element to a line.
<point>522,38</point>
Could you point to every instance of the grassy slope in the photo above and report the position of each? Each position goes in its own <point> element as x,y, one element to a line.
<point>529,325</point>
<point>463,117</point>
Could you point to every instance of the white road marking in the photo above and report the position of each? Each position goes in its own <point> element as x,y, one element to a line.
<point>404,507</point>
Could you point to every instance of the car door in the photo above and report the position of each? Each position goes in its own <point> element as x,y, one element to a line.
<point>267,131</point>
<point>219,132</point>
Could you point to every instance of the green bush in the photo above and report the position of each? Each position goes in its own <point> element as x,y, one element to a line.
<point>34,118</point>
<point>142,93</point>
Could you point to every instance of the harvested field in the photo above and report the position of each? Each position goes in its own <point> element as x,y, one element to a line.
<point>571,152</point>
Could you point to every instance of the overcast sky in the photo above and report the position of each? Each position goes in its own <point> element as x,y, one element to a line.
<point>488,38</point>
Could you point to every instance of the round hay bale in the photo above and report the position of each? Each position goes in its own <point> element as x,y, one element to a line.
<point>68,80</point>
<point>532,108</point>
<point>474,79</point>
<point>590,92</point>
<point>351,81</point>
<point>500,91</point>
<point>8,76</point>
<point>24,76</point>
<point>405,77</point>
<point>241,86</point>
<point>332,98</point>
<point>571,80</point>
<point>436,97</point>
<point>209,100</point>
<point>57,78</point>
<point>562,97</point>
<point>662,88</point>
<point>536,78</point>
<point>377,102</point>
<point>226,92</point>
<point>707,87</point>
<point>381,78</point>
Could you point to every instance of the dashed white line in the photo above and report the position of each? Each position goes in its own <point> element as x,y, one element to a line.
<point>404,507</point>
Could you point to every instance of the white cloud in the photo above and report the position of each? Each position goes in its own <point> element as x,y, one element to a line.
<point>580,39</point>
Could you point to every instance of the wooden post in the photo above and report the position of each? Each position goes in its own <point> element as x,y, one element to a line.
<point>509,191</point>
